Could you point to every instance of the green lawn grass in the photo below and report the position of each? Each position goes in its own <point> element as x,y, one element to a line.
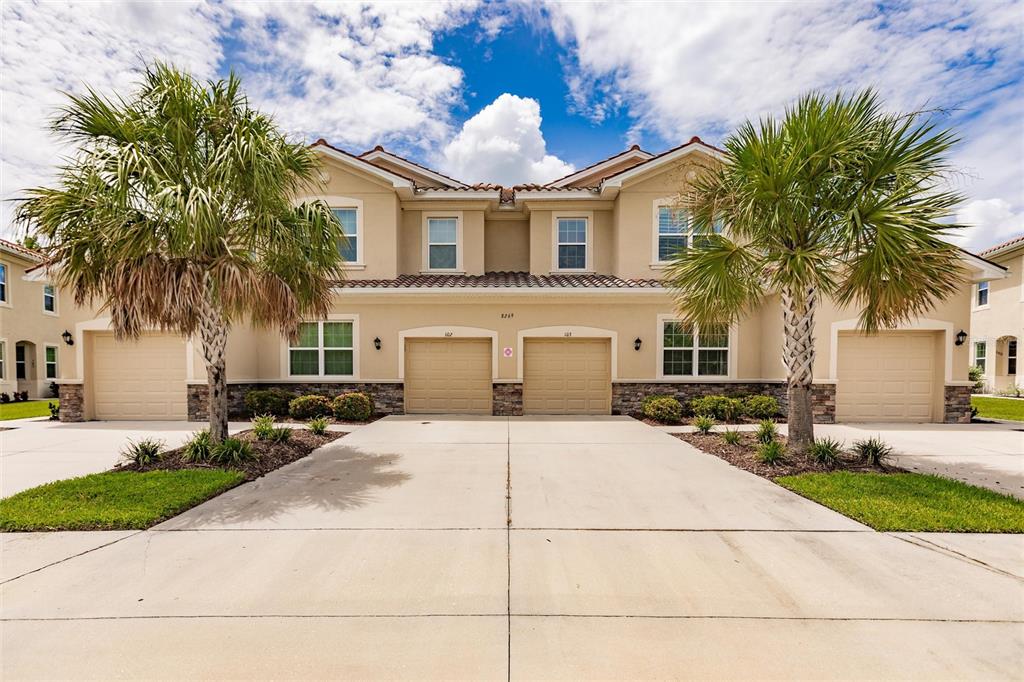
<point>999,408</point>
<point>32,408</point>
<point>911,502</point>
<point>113,500</point>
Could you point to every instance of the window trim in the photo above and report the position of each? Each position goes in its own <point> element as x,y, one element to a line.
<point>348,202</point>
<point>569,215</point>
<point>56,311</point>
<point>56,361</point>
<point>1012,356</point>
<point>23,362</point>
<point>657,205</point>
<point>732,355</point>
<point>459,268</point>
<point>286,346</point>
<point>977,293</point>
<point>3,359</point>
<point>984,358</point>
<point>6,300</point>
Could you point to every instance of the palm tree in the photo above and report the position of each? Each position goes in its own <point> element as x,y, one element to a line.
<point>836,199</point>
<point>178,213</point>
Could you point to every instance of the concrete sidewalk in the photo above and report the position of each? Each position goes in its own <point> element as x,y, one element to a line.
<point>511,548</point>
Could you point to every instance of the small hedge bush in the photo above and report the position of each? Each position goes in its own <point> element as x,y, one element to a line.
<point>310,406</point>
<point>760,406</point>
<point>662,408</point>
<point>720,407</point>
<point>272,401</point>
<point>353,407</point>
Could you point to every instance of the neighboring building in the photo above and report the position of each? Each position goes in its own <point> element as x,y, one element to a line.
<point>536,299</point>
<point>997,318</point>
<point>33,316</point>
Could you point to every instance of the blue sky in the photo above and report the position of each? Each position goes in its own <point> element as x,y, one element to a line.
<point>516,92</point>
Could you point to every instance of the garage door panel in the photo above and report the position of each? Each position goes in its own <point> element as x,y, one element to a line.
<point>886,377</point>
<point>142,379</point>
<point>445,376</point>
<point>567,376</point>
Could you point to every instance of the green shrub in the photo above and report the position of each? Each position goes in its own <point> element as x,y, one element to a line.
<point>771,452</point>
<point>280,435</point>
<point>54,411</point>
<point>143,452</point>
<point>310,406</point>
<point>271,401</point>
<point>703,423</point>
<point>975,374</point>
<point>825,451</point>
<point>767,431</point>
<point>263,426</point>
<point>353,407</point>
<point>662,408</point>
<point>760,406</point>
<point>232,451</point>
<point>872,450</point>
<point>731,437</point>
<point>198,448</point>
<point>318,426</point>
<point>720,407</point>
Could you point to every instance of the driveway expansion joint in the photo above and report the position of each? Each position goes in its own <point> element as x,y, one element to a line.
<point>69,558</point>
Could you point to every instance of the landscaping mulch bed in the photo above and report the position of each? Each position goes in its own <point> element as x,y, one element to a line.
<point>744,456</point>
<point>269,455</point>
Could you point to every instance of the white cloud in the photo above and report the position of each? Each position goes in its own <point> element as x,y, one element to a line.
<point>503,144</point>
<point>701,68</point>
<point>988,222</point>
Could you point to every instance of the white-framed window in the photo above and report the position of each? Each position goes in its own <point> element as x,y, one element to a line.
<point>689,352</point>
<point>3,359</point>
<point>49,299</point>
<point>351,250</point>
<point>3,283</point>
<point>1011,356</point>
<point>325,348</point>
<point>442,241</point>
<point>981,295</point>
<point>572,237</point>
<point>50,361</point>
<point>673,230</point>
<point>980,354</point>
<point>20,363</point>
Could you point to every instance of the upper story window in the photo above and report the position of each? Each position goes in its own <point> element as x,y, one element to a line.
<point>349,219</point>
<point>49,299</point>
<point>323,349</point>
<point>573,242</point>
<point>981,299</point>
<point>442,237</point>
<point>3,283</point>
<point>687,351</point>
<point>673,231</point>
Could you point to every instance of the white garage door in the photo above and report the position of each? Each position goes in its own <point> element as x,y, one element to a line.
<point>448,376</point>
<point>142,379</point>
<point>567,376</point>
<point>888,377</point>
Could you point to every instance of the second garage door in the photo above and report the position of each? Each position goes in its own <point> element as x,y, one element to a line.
<point>142,379</point>
<point>448,376</point>
<point>567,376</point>
<point>888,377</point>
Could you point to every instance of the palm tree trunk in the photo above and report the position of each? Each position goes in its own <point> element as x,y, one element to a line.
<point>798,356</point>
<point>213,331</point>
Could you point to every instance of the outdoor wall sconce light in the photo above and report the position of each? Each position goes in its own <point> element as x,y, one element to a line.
<point>961,336</point>
<point>637,343</point>
<point>376,343</point>
<point>68,339</point>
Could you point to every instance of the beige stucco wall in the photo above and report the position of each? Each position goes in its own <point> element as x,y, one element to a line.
<point>507,245</point>
<point>22,319</point>
<point>1000,320</point>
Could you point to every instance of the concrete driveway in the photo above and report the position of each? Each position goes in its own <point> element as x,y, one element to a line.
<point>519,548</point>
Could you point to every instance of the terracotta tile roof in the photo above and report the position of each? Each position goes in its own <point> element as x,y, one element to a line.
<point>379,148</point>
<point>1019,239</point>
<point>30,254</point>
<point>654,159</point>
<point>634,148</point>
<point>501,280</point>
<point>534,187</point>
<point>324,143</point>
